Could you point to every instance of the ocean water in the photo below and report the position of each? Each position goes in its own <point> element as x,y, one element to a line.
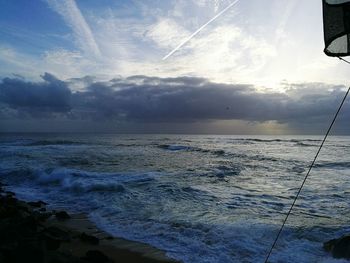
<point>202,198</point>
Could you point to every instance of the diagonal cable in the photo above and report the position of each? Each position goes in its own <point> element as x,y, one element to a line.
<point>307,175</point>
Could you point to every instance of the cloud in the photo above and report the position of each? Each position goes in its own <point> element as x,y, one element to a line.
<point>35,99</point>
<point>132,37</point>
<point>224,53</point>
<point>71,14</point>
<point>142,99</point>
<point>166,33</point>
<point>62,62</point>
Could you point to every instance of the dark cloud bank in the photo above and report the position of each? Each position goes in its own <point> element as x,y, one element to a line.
<point>142,100</point>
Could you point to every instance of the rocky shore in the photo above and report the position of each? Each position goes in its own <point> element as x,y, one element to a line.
<point>339,247</point>
<point>31,233</point>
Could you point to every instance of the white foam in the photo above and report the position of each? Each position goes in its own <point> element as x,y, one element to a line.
<point>239,242</point>
<point>83,181</point>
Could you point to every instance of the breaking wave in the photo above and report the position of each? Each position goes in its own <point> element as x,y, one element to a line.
<point>83,181</point>
<point>200,198</point>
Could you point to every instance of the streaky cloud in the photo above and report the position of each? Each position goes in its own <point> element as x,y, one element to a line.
<point>72,15</point>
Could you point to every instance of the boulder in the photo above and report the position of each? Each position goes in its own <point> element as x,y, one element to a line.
<point>52,243</point>
<point>37,204</point>
<point>89,239</point>
<point>62,215</point>
<point>58,233</point>
<point>54,236</point>
<point>9,193</point>
<point>95,256</point>
<point>29,252</point>
<point>28,225</point>
<point>340,248</point>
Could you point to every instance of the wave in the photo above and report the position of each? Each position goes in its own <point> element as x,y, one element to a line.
<point>303,144</point>
<point>171,147</point>
<point>83,181</point>
<point>265,140</point>
<point>306,140</point>
<point>242,240</point>
<point>333,165</point>
<point>17,142</point>
<point>228,170</point>
<point>54,142</point>
<point>259,140</point>
<point>71,143</point>
<point>297,169</point>
<point>218,152</point>
<point>174,147</point>
<point>256,140</point>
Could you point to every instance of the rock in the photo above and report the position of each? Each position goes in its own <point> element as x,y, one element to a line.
<point>329,245</point>
<point>42,216</point>
<point>29,252</point>
<point>89,239</point>
<point>95,256</point>
<point>29,225</point>
<point>37,204</point>
<point>9,232</point>
<point>9,193</point>
<point>52,243</point>
<point>11,200</point>
<point>340,248</point>
<point>57,233</point>
<point>62,215</point>
<point>7,255</point>
<point>63,258</point>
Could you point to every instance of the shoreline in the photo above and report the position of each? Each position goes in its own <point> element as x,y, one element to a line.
<point>112,246</point>
<point>33,232</point>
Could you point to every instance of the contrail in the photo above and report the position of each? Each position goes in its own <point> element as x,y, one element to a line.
<point>200,29</point>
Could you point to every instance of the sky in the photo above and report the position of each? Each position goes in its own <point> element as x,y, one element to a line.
<point>257,67</point>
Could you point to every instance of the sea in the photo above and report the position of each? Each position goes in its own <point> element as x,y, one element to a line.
<point>200,198</point>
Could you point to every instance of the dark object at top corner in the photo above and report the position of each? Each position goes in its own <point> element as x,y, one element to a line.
<point>336,27</point>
